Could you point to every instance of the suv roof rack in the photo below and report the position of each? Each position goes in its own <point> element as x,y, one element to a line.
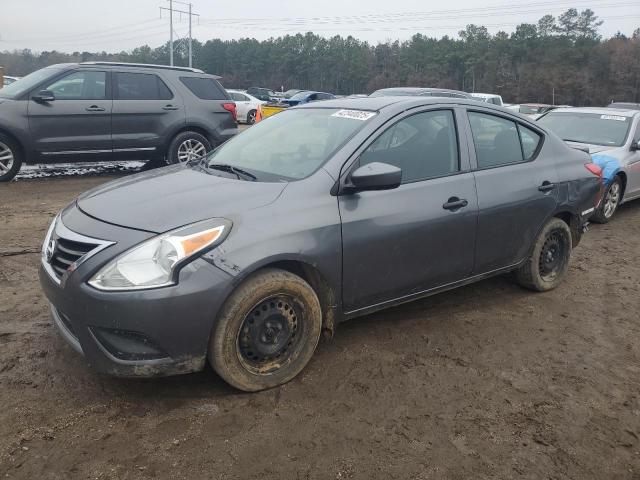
<point>144,65</point>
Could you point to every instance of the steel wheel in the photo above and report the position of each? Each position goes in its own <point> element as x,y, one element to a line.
<point>191,149</point>
<point>270,334</point>
<point>553,256</point>
<point>6,158</point>
<point>611,199</point>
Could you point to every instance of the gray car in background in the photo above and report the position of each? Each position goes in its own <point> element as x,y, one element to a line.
<point>101,111</point>
<point>611,135</point>
<point>319,214</point>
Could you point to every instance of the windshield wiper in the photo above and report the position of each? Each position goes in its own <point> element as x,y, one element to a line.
<point>238,172</point>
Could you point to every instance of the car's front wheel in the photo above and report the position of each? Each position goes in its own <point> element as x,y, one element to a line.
<point>610,202</point>
<point>548,263</point>
<point>187,146</point>
<point>10,159</point>
<point>266,332</point>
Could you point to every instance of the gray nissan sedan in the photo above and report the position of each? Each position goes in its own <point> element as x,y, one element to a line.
<point>316,215</point>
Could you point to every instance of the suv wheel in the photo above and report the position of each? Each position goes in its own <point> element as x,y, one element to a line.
<point>187,146</point>
<point>266,332</point>
<point>549,261</point>
<point>10,159</point>
<point>610,202</point>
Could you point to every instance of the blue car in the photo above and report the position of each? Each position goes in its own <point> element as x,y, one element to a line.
<point>307,96</point>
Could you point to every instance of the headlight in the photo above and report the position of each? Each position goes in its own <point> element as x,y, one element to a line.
<point>154,262</point>
<point>47,247</point>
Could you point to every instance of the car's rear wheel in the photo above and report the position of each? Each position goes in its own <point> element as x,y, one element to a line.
<point>266,332</point>
<point>549,261</point>
<point>187,146</point>
<point>10,159</point>
<point>251,117</point>
<point>610,202</point>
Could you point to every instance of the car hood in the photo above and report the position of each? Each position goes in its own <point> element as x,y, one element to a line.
<point>170,197</point>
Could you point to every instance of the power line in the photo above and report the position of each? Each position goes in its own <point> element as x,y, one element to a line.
<point>171,11</point>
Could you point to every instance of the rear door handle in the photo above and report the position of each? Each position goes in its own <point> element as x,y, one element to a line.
<point>546,186</point>
<point>94,108</point>
<point>169,107</point>
<point>455,203</point>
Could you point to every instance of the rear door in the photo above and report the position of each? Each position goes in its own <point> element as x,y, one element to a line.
<point>516,186</point>
<point>242,105</point>
<point>76,126</point>
<point>145,109</point>
<point>421,235</point>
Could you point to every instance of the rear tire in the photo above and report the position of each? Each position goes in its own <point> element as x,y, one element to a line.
<point>266,332</point>
<point>10,158</point>
<point>187,146</point>
<point>610,202</point>
<point>549,261</point>
<point>251,117</point>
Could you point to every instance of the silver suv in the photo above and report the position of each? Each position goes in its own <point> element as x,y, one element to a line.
<point>102,111</point>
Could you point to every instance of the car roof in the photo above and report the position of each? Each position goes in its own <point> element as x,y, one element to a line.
<point>599,111</point>
<point>624,105</point>
<point>379,103</point>
<point>484,95</point>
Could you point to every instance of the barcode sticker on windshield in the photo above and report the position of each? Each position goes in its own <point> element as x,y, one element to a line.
<point>613,117</point>
<point>354,114</point>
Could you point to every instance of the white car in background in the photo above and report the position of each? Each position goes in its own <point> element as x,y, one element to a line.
<point>246,106</point>
<point>488,98</point>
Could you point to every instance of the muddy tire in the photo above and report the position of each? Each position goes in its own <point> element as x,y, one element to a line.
<point>10,158</point>
<point>610,202</point>
<point>549,261</point>
<point>266,331</point>
<point>187,146</point>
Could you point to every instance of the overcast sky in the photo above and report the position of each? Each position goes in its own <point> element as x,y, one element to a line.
<point>114,25</point>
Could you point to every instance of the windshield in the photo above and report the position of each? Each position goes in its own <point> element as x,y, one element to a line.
<point>300,96</point>
<point>529,109</point>
<point>591,128</point>
<point>19,87</point>
<point>292,144</point>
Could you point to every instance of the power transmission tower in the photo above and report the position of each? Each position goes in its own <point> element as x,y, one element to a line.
<point>171,11</point>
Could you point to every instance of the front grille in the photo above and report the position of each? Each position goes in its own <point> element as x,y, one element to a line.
<point>66,252</point>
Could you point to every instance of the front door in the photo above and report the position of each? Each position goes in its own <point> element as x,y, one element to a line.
<point>76,126</point>
<point>517,191</point>
<point>144,110</point>
<point>401,242</point>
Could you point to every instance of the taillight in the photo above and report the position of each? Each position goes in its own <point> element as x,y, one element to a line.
<point>231,107</point>
<point>595,169</point>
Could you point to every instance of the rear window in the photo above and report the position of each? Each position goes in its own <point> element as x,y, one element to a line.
<point>204,88</point>
<point>140,86</point>
<point>592,128</point>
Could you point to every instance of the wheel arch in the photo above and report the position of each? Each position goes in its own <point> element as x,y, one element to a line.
<point>311,274</point>
<point>573,221</point>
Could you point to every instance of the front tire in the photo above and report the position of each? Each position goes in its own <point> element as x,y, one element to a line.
<point>187,146</point>
<point>10,158</point>
<point>251,117</point>
<point>610,202</point>
<point>267,331</point>
<point>549,261</point>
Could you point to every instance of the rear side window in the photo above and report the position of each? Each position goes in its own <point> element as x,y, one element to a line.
<point>530,141</point>
<point>140,86</point>
<point>496,140</point>
<point>423,145</point>
<point>204,88</point>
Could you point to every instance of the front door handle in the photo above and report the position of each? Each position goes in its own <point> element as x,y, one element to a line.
<point>170,107</point>
<point>94,108</point>
<point>455,203</point>
<point>546,186</point>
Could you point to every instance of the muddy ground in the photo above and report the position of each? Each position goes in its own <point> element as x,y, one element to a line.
<point>488,381</point>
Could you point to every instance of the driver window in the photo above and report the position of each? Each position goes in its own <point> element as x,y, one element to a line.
<point>80,86</point>
<point>423,145</point>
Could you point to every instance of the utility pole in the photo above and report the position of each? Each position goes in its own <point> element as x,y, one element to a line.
<point>189,13</point>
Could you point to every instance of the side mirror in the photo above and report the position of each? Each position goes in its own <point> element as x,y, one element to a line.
<point>634,146</point>
<point>375,176</point>
<point>44,96</point>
